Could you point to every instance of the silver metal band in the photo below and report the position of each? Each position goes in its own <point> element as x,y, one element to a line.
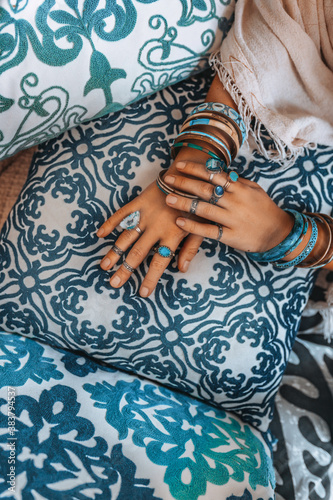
<point>117,250</point>
<point>194,206</point>
<point>219,236</point>
<point>128,267</point>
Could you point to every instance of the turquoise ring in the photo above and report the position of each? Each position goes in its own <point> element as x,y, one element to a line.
<point>164,251</point>
<point>232,177</point>
<point>216,166</point>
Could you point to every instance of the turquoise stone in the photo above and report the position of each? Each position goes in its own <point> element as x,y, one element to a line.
<point>213,165</point>
<point>233,176</point>
<point>164,251</point>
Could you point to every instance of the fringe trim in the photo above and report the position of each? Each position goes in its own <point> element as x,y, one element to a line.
<point>280,153</point>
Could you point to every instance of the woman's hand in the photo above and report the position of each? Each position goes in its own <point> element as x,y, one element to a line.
<point>157,223</point>
<point>250,220</point>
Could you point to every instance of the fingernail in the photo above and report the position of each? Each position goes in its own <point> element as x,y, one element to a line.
<point>180,222</point>
<point>171,199</point>
<point>144,291</point>
<point>100,232</point>
<point>180,165</point>
<point>115,281</point>
<point>185,265</point>
<point>105,262</point>
<point>169,179</point>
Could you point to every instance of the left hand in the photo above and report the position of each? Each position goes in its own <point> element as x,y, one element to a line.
<point>250,220</point>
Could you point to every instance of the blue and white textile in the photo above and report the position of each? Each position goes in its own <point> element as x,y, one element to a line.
<point>82,430</point>
<point>67,61</point>
<point>222,332</point>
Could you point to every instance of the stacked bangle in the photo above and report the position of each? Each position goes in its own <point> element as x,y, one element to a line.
<point>166,189</point>
<point>279,251</point>
<point>317,253</point>
<point>214,128</point>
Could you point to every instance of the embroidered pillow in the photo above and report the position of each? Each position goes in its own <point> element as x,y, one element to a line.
<point>222,332</point>
<point>63,62</point>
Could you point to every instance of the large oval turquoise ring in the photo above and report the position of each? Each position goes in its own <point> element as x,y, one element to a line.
<point>164,251</point>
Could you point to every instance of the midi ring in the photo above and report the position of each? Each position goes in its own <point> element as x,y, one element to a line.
<point>232,177</point>
<point>164,251</point>
<point>214,165</point>
<point>194,206</point>
<point>128,267</point>
<point>219,236</point>
<point>117,250</point>
<point>131,221</point>
<point>218,192</point>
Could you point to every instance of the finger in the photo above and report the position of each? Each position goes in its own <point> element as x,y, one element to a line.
<point>134,258</point>
<point>156,269</point>
<point>125,240</point>
<point>215,213</point>
<point>214,232</point>
<point>188,251</point>
<point>112,222</point>
<point>199,171</point>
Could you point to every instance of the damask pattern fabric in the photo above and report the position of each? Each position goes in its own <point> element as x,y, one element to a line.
<point>63,62</point>
<point>303,421</point>
<point>222,332</point>
<point>83,430</point>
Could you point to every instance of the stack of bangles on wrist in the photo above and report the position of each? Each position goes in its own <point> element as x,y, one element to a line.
<point>317,253</point>
<point>214,128</point>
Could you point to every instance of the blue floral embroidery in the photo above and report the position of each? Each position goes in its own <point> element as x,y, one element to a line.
<point>54,459</point>
<point>184,436</point>
<point>22,359</point>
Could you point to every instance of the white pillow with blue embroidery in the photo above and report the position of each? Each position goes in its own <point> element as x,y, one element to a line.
<point>222,332</point>
<point>86,431</point>
<point>62,62</point>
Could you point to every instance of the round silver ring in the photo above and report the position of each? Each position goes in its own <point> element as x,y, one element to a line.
<point>211,177</point>
<point>219,236</point>
<point>137,229</point>
<point>194,206</point>
<point>128,267</point>
<point>117,250</point>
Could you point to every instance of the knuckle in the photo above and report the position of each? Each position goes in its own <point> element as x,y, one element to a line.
<point>137,254</point>
<point>209,210</point>
<point>206,189</point>
<point>157,266</point>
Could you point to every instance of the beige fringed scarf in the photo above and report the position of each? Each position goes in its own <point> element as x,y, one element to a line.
<point>277,64</point>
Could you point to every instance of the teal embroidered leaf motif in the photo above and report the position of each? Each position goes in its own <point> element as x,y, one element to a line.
<point>5,103</point>
<point>4,16</point>
<point>72,4</point>
<point>102,75</point>
<point>63,17</point>
<point>199,4</point>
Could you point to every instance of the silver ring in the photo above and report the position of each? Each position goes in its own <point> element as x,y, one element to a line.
<point>117,250</point>
<point>138,230</point>
<point>194,206</point>
<point>128,267</point>
<point>211,177</point>
<point>219,236</point>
